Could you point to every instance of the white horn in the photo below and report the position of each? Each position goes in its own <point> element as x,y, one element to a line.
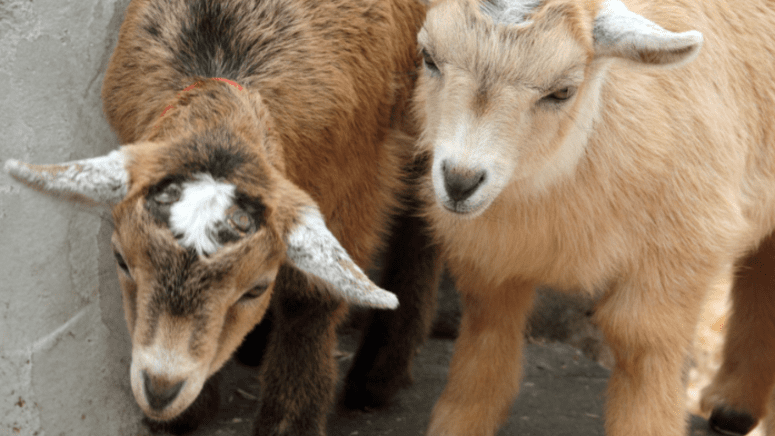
<point>313,249</point>
<point>101,179</point>
<point>622,33</point>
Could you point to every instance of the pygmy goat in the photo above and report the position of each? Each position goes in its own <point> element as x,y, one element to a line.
<point>592,145</point>
<point>266,158</point>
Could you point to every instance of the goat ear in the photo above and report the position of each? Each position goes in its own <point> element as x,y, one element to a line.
<point>619,32</point>
<point>313,249</point>
<point>100,179</point>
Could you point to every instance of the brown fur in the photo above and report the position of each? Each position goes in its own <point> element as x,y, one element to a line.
<point>744,381</point>
<point>319,121</point>
<point>674,182</point>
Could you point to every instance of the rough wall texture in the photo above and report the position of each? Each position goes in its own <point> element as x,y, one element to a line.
<point>64,350</point>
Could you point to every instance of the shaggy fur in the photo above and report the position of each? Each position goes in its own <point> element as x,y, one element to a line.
<point>296,157</point>
<point>565,158</point>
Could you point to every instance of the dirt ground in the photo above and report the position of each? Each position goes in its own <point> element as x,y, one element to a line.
<point>566,370</point>
<point>562,395</point>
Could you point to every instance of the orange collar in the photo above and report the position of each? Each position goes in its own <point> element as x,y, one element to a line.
<point>190,87</point>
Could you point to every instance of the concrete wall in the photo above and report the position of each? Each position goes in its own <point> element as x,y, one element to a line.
<point>64,348</point>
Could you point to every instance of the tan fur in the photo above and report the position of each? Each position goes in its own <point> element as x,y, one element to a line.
<point>647,186</point>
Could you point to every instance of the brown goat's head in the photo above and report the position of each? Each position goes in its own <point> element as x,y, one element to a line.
<point>204,218</point>
<point>510,90</point>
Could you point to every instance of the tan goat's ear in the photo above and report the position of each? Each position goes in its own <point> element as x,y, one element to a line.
<point>100,179</point>
<point>313,249</point>
<point>619,32</point>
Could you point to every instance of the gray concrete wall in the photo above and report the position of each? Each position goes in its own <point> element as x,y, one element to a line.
<point>64,348</point>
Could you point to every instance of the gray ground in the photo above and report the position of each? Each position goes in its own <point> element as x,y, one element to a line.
<point>562,391</point>
<point>562,395</point>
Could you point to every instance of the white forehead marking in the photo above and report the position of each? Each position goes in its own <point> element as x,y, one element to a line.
<point>202,206</point>
<point>508,11</point>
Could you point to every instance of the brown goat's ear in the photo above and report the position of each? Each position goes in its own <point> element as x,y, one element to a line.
<point>619,32</point>
<point>313,249</point>
<point>100,179</point>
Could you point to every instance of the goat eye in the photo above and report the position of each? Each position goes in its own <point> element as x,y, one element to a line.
<point>561,94</point>
<point>254,292</point>
<point>121,263</point>
<point>429,63</point>
<point>241,221</point>
<point>169,195</point>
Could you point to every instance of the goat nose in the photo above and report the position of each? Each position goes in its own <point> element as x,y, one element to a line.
<point>461,184</point>
<point>160,392</point>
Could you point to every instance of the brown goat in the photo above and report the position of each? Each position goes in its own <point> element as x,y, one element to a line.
<point>588,145</point>
<point>266,157</point>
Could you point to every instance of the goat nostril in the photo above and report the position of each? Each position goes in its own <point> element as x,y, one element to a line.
<point>460,185</point>
<point>159,392</point>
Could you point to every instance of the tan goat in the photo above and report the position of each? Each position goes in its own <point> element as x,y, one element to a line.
<point>253,127</point>
<point>580,144</point>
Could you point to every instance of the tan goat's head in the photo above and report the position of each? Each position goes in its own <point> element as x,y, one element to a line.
<point>203,223</point>
<point>510,89</point>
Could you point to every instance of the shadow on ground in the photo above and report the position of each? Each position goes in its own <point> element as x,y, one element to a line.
<point>562,391</point>
<point>562,395</point>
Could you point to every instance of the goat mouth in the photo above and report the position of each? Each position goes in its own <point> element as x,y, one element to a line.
<point>167,403</point>
<point>463,209</point>
<point>173,413</point>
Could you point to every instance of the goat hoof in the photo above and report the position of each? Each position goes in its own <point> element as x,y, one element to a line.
<point>731,422</point>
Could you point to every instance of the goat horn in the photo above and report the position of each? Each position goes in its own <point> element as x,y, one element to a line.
<point>101,179</point>
<point>313,249</point>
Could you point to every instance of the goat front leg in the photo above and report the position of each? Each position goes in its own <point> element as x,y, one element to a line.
<point>411,270</point>
<point>650,325</point>
<point>298,375</point>
<point>740,390</point>
<point>486,368</point>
